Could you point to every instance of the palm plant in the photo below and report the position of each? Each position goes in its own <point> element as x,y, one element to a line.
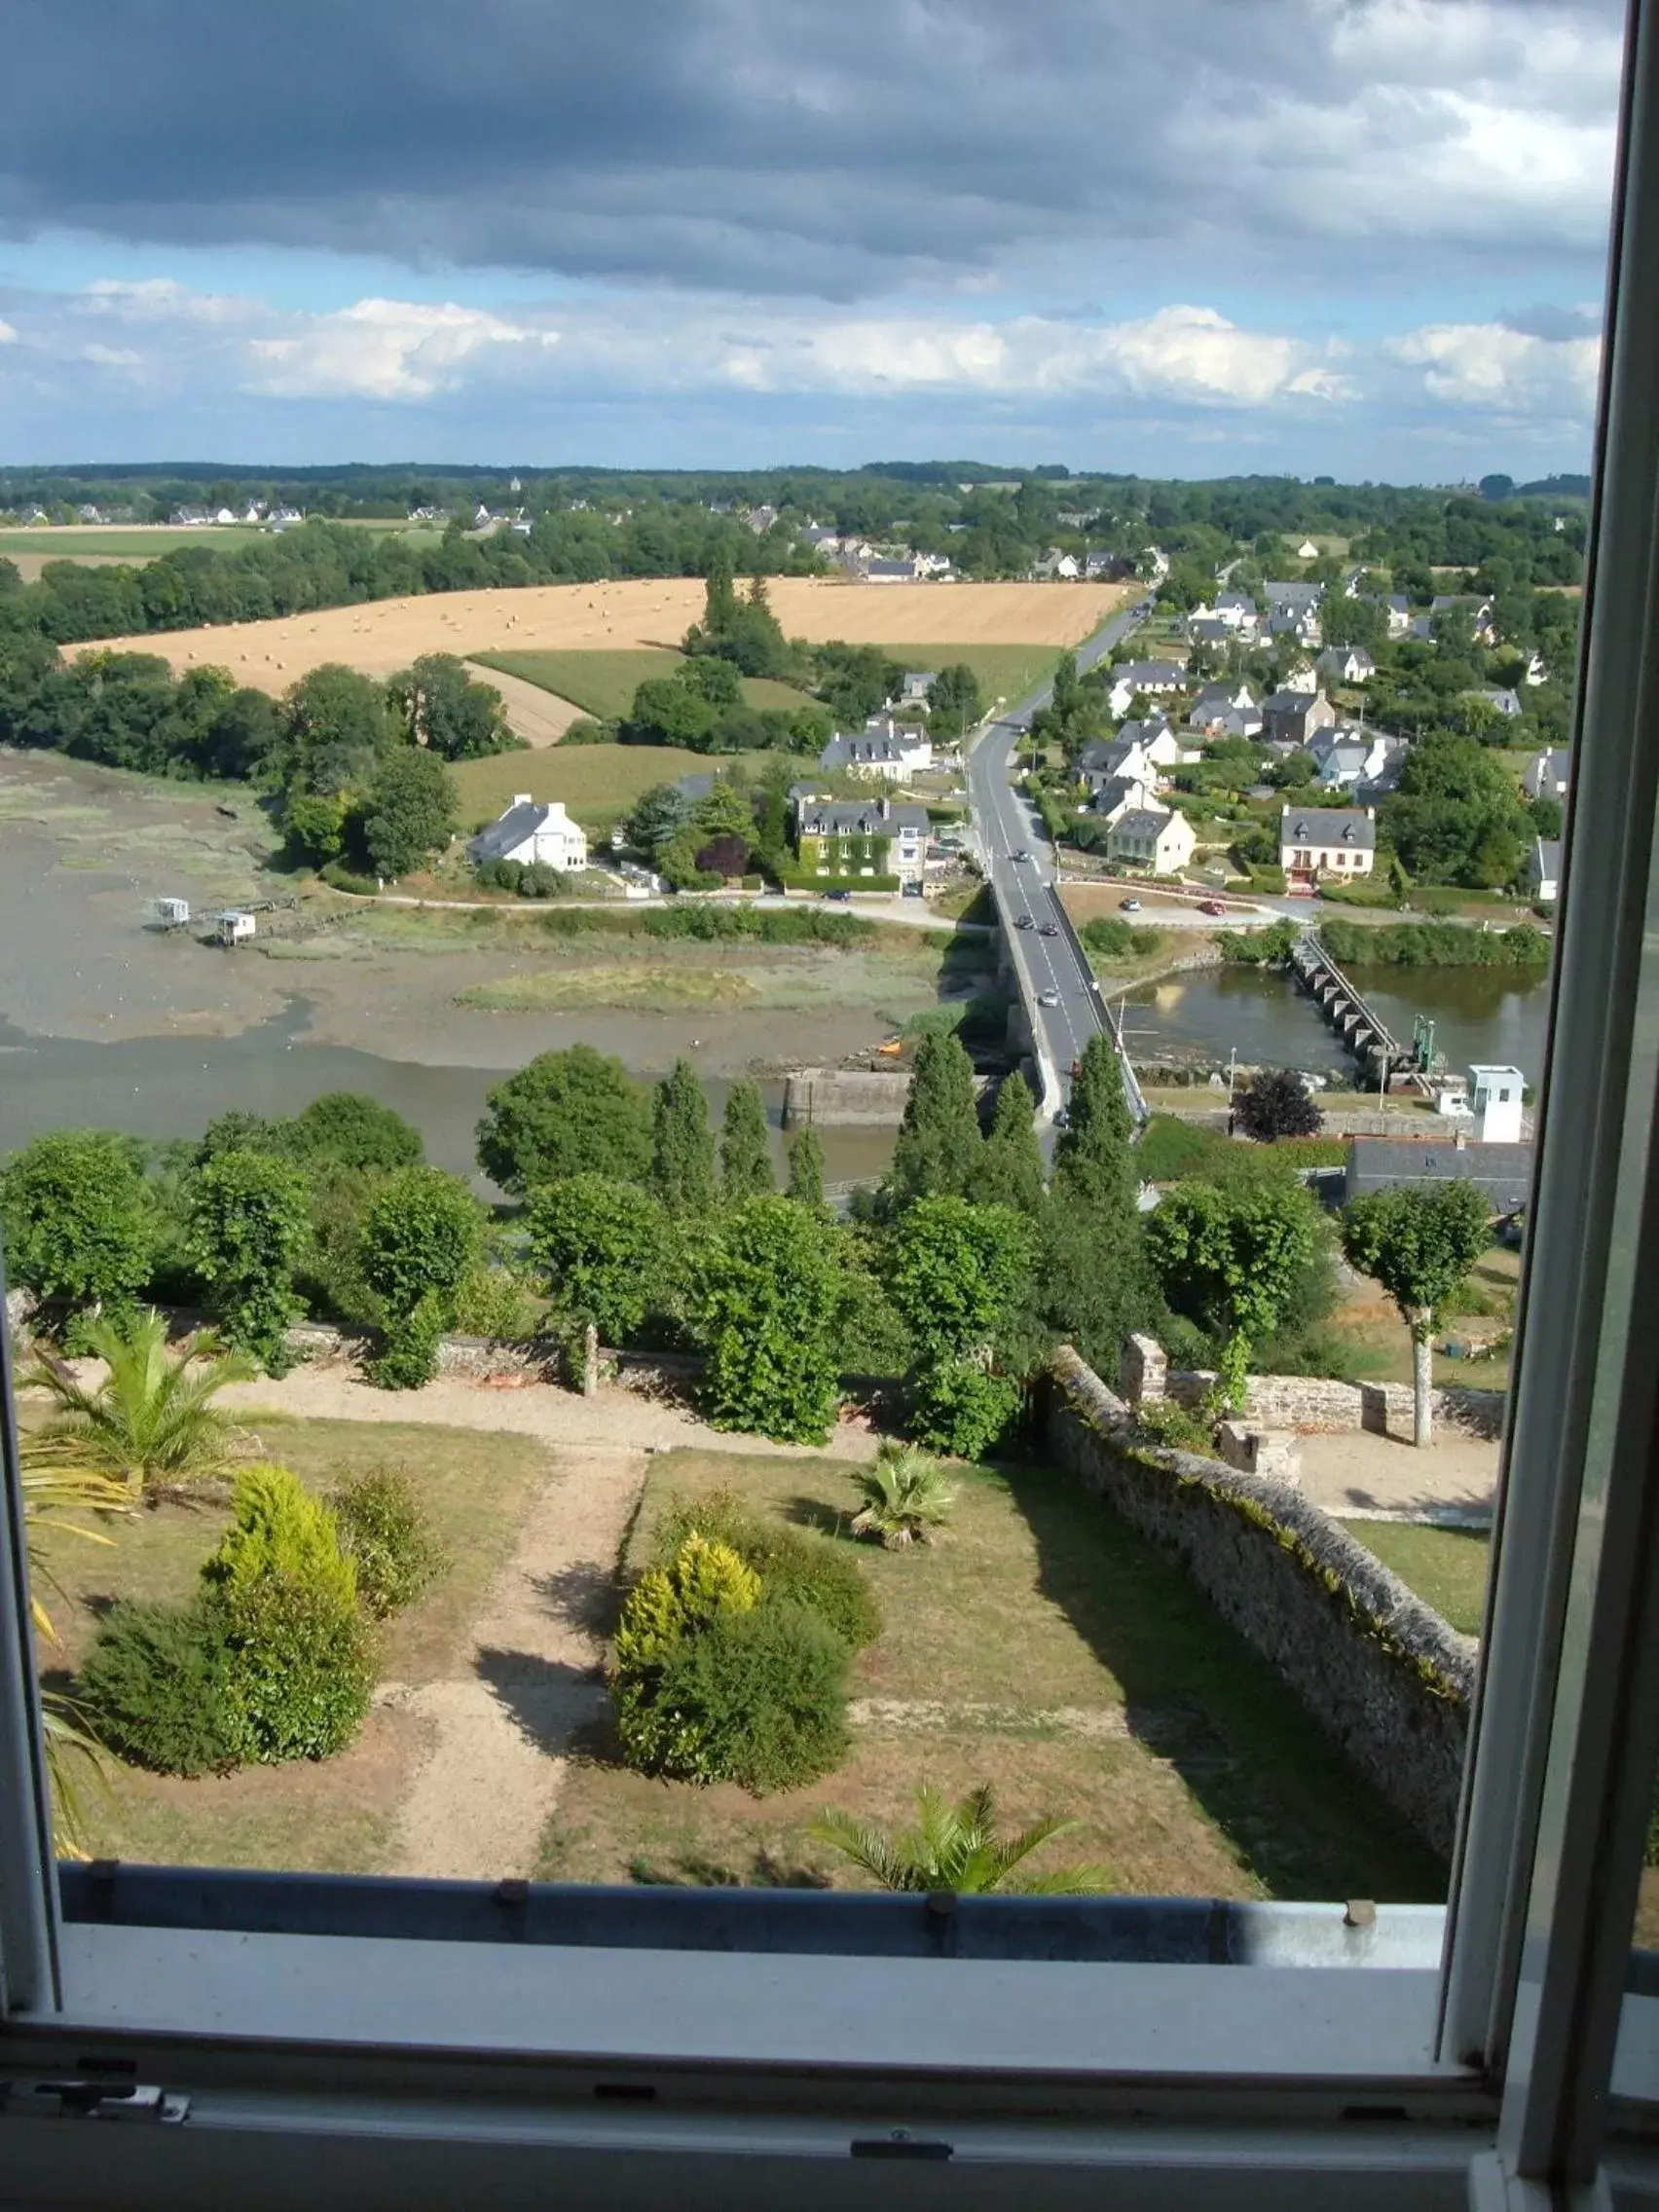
<point>905,1495</point>
<point>59,1492</point>
<point>152,1418</point>
<point>956,1848</point>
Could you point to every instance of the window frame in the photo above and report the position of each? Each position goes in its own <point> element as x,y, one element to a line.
<point>1506,2051</point>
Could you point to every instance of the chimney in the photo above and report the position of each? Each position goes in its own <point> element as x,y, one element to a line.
<point>523,798</point>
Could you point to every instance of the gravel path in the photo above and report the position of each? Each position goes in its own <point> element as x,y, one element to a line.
<point>1358,1474</point>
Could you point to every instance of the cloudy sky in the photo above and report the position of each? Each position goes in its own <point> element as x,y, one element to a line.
<point>1363,238</point>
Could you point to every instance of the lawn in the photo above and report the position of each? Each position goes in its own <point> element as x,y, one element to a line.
<point>66,543</point>
<point>335,1816</point>
<point>1043,1647</point>
<point>604,683</point>
<point>598,782</point>
<point>1446,1568</point>
<point>1484,1310</point>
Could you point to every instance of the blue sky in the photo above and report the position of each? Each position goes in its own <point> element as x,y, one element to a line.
<point>1362,238</point>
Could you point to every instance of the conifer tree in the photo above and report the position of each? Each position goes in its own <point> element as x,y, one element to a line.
<point>720,599</point>
<point>682,1146</point>
<point>940,1144</point>
<point>1096,1283</point>
<point>746,1150</point>
<point>1009,1171</point>
<point>806,1168</point>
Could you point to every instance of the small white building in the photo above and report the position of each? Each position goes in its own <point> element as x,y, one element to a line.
<point>1161,843</point>
<point>530,833</point>
<point>1496,1094</point>
<point>234,926</point>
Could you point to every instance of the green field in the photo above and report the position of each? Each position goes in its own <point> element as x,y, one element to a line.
<point>604,684</point>
<point>1004,672</point>
<point>66,543</point>
<point>598,782</point>
<point>1446,1568</point>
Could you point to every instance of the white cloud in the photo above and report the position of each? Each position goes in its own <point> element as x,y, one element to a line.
<point>385,350</point>
<point>112,356</point>
<point>8,334</point>
<point>1489,365</point>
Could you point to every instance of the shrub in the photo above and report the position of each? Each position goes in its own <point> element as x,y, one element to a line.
<point>905,1494</point>
<point>762,1695</point>
<point>1163,1421</point>
<point>341,878</point>
<point>956,1407</point>
<point>160,1688</point>
<point>408,1358</point>
<point>302,1660</point>
<point>384,1535</point>
<point>667,1608</point>
<point>280,1530</point>
<point>796,1565</point>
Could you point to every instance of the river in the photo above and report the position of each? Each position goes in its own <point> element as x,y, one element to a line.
<point>1479,1014</point>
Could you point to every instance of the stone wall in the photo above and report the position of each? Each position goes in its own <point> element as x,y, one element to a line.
<point>1314,1403</point>
<point>1381,1674</point>
<point>849,1097</point>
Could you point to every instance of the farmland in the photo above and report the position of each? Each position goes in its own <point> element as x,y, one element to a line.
<point>386,635</point>
<point>604,684</point>
<point>597,782</point>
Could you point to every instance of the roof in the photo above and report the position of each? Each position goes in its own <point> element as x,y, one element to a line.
<point>1223,693</point>
<point>858,818</point>
<point>1546,858</point>
<point>1501,1172</point>
<point>1141,822</point>
<point>1291,702</point>
<point>514,827</point>
<point>860,749</point>
<point>1555,763</point>
<point>1328,825</point>
<point>1149,672</point>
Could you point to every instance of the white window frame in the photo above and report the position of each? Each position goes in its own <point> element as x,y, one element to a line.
<point>1323,2055</point>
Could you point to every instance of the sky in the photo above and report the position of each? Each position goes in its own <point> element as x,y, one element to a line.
<point>1356,238</point>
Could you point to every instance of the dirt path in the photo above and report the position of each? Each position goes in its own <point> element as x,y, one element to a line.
<point>1358,1474</point>
<point>503,1731</point>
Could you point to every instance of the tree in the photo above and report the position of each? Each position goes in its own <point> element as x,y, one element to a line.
<point>954,703</point>
<point>683,1145</point>
<point>604,1247</point>
<point>955,1850</point>
<point>1277,1103</point>
<point>1008,1170</point>
<point>152,1418</point>
<point>906,1496</point>
<point>355,1129</point>
<point>1233,1259</point>
<point>569,1113</point>
<point>79,1227</point>
<point>806,1168</point>
<point>745,1146</point>
<point>451,714</point>
<point>1092,1285</point>
<point>765,1304</point>
<point>956,1273</point>
<point>418,1241</point>
<point>408,812</point>
<point>336,726</point>
<point>939,1137</point>
<point>249,1221</point>
<point>1419,1242</point>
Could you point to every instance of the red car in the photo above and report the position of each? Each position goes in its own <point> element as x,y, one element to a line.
<point>1211,907</point>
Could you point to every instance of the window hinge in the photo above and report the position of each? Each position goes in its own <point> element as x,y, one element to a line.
<point>139,2101</point>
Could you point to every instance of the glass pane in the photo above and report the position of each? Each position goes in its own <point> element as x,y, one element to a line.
<point>645,1000</point>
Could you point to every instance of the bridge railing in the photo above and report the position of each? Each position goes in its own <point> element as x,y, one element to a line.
<point>1139,1111</point>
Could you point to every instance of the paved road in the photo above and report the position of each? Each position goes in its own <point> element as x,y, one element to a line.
<point>1006,824</point>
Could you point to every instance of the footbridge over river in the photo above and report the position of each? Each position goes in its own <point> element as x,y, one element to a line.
<point>1344,1006</point>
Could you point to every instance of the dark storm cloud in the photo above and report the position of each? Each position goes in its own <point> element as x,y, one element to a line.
<point>799,146</point>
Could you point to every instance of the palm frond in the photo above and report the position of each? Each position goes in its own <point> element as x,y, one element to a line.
<point>956,1846</point>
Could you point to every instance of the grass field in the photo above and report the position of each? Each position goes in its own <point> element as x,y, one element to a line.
<point>1004,672</point>
<point>1043,1647</point>
<point>598,782</point>
<point>64,543</point>
<point>1446,1568</point>
<point>336,1816</point>
<point>604,683</point>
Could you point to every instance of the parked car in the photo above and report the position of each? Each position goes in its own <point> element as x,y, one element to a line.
<point>1022,922</point>
<point>1129,906</point>
<point>1049,929</point>
<point>1212,906</point>
<point>844,896</point>
<point>911,890</point>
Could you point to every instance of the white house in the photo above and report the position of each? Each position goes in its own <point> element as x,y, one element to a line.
<point>1218,706</point>
<point>1054,563</point>
<point>1546,774</point>
<point>883,750</point>
<point>1154,678</point>
<point>1347,664</point>
<point>1142,837</point>
<point>1120,794</point>
<point>1318,840</point>
<point>1349,759</point>
<point>1105,759</point>
<point>913,691</point>
<point>1544,871</point>
<point>529,834</point>
<point>1308,550</point>
<point>1536,672</point>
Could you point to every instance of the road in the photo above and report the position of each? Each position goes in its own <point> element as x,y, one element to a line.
<point>1006,824</point>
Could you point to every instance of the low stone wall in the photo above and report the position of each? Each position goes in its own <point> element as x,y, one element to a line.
<point>1381,1673</point>
<point>850,1097</point>
<point>1313,1404</point>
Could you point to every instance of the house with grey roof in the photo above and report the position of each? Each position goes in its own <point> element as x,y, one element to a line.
<point>531,836</point>
<point>1347,664</point>
<point>1148,838</point>
<point>1502,1174</point>
<point>883,750</point>
<point>861,837</point>
<point>1547,774</point>
<point>1219,701</point>
<point>1294,717</point>
<point>1154,678</point>
<point>1506,701</point>
<point>1544,871</point>
<point>1316,841</point>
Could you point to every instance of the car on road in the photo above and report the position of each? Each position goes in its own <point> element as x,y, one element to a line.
<point>843,897</point>
<point>1048,998</point>
<point>1049,929</point>
<point>1020,855</point>
<point>1022,922</point>
<point>1212,906</point>
<point>1128,907</point>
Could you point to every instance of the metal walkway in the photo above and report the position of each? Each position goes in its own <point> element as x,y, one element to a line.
<point>1345,1006</point>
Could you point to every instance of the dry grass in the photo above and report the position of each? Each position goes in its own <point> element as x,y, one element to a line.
<point>387,634</point>
<point>1041,1646</point>
<point>335,1816</point>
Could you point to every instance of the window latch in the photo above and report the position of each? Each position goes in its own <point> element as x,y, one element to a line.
<point>130,2101</point>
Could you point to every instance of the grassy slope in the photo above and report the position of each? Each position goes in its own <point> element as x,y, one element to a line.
<point>335,1816</point>
<point>1446,1568</point>
<point>598,782</point>
<point>604,684</point>
<point>1199,1774</point>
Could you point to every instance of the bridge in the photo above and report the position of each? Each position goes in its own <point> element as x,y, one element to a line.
<point>1363,1031</point>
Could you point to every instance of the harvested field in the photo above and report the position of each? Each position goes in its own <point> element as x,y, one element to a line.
<point>537,716</point>
<point>386,635</point>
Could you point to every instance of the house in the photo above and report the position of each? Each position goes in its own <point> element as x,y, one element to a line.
<point>848,837</point>
<point>1145,837</point>
<point>1546,774</point>
<point>883,750</point>
<point>1238,611</point>
<point>1347,664</point>
<point>1536,673</point>
<point>1208,629</point>
<point>917,684</point>
<point>1507,702</point>
<point>1501,1172</point>
<point>1294,718</point>
<point>879,569</point>
<point>1299,622</point>
<point>532,834</point>
<point>1295,591</point>
<point>1218,702</point>
<point>1358,760</point>
<point>1317,840</point>
<point>1154,678</point>
<point>1308,550</point>
<point>1102,565</point>
<point>1053,563</point>
<point>1106,759</point>
<point>1301,678</point>
<point>1544,871</point>
<point>1122,794</point>
<point>1154,564</point>
<point>821,540</point>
